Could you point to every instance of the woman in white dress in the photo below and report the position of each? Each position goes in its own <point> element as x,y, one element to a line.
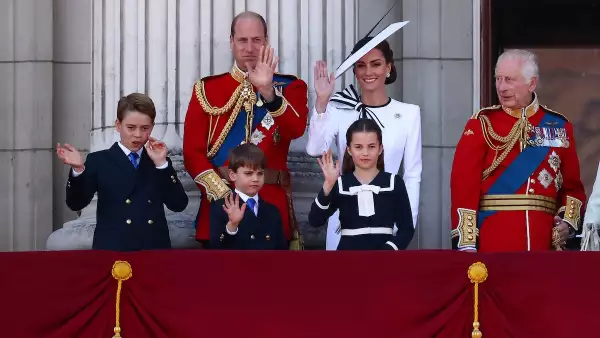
<point>400,122</point>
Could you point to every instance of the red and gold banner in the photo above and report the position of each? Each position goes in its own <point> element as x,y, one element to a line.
<point>308,294</point>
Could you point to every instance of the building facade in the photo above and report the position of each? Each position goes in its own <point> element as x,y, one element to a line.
<point>65,63</point>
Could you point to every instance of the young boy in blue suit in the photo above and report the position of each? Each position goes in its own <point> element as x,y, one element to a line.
<point>252,223</point>
<point>134,180</point>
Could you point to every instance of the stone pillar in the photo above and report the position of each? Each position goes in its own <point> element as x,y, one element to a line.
<point>438,76</point>
<point>162,47</point>
<point>26,147</point>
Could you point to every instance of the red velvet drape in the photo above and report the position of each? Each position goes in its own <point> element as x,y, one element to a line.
<point>307,294</point>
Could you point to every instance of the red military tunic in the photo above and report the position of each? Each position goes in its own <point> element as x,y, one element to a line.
<point>217,120</point>
<point>507,183</point>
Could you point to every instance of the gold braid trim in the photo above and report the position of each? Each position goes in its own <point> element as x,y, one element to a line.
<point>281,109</point>
<point>208,108</point>
<point>517,133</point>
<point>573,212</point>
<point>243,95</point>
<point>466,231</point>
<point>213,184</point>
<point>212,151</point>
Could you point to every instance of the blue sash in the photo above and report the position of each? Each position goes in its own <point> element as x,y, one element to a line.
<point>237,133</point>
<point>518,172</point>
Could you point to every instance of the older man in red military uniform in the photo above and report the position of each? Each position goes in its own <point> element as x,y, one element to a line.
<point>251,103</point>
<point>515,181</point>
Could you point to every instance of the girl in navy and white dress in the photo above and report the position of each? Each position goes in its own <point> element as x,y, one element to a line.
<point>400,122</point>
<point>370,201</point>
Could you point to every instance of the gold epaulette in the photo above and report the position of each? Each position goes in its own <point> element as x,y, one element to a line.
<point>555,112</point>
<point>486,109</point>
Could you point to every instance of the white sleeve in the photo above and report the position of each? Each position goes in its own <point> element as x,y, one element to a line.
<point>592,213</point>
<point>322,130</point>
<point>412,164</point>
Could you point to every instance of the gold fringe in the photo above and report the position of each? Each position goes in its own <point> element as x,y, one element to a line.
<point>121,271</point>
<point>477,274</point>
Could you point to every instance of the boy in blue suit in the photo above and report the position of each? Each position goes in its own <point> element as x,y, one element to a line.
<point>133,179</point>
<point>255,224</point>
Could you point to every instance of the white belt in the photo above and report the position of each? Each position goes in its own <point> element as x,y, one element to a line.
<point>366,231</point>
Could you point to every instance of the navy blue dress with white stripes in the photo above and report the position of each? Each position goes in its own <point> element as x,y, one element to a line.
<point>368,212</point>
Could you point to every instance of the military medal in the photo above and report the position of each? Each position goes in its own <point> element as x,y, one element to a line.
<point>554,161</point>
<point>545,178</point>
<point>558,181</point>
<point>257,137</point>
<point>259,103</point>
<point>276,135</point>
<point>267,122</point>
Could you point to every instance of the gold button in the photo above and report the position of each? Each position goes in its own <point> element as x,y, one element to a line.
<point>174,181</point>
<point>470,224</point>
<point>470,231</point>
<point>150,221</point>
<point>149,201</point>
<point>128,201</point>
<point>531,191</point>
<point>251,236</point>
<point>470,237</point>
<point>470,218</point>
<point>128,221</point>
<point>532,180</point>
<point>172,177</point>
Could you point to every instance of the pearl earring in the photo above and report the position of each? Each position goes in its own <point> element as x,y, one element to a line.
<point>388,75</point>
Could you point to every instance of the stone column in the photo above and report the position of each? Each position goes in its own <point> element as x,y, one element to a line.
<point>162,47</point>
<point>26,153</point>
<point>438,76</point>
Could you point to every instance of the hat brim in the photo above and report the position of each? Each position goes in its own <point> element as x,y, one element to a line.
<point>384,34</point>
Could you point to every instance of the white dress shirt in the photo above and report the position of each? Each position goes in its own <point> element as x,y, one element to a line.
<point>245,198</point>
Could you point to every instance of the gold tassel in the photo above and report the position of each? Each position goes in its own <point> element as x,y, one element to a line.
<point>121,271</point>
<point>296,244</point>
<point>477,274</point>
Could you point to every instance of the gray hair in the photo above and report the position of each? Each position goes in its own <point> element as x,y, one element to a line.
<point>529,67</point>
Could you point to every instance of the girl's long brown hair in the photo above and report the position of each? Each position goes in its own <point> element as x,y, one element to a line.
<point>360,126</point>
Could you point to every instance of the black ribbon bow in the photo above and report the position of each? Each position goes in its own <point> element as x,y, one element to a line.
<point>350,98</point>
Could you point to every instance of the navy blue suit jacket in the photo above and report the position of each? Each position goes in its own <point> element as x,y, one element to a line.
<point>130,213</point>
<point>255,232</point>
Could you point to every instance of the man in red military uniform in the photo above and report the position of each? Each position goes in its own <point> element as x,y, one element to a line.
<point>251,103</point>
<point>515,181</point>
